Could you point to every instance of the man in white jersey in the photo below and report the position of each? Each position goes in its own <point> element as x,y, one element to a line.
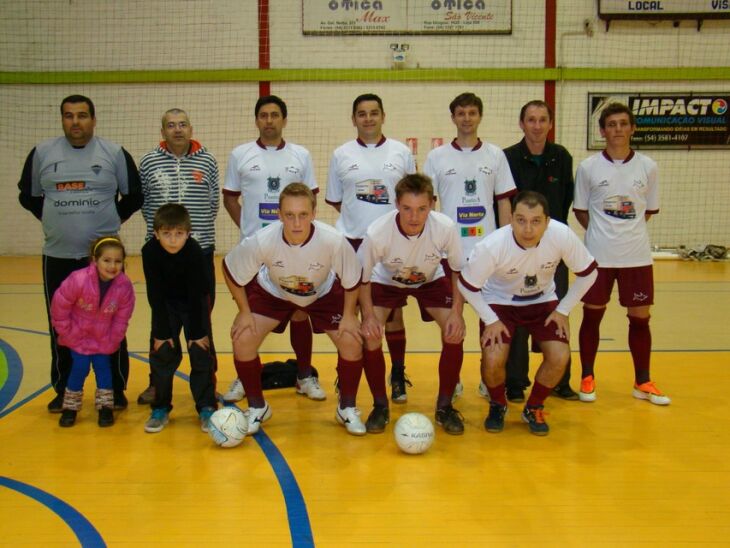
<point>80,187</point>
<point>296,264</point>
<point>469,176</point>
<point>401,256</point>
<point>180,170</point>
<point>509,280</point>
<point>257,172</point>
<point>616,192</point>
<point>361,187</point>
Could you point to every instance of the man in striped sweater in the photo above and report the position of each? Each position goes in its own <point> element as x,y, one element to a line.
<point>180,170</point>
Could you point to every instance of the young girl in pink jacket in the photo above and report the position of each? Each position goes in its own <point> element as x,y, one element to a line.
<point>90,312</point>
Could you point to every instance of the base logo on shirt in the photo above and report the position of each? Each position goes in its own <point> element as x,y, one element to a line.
<point>268,211</point>
<point>297,285</point>
<point>469,215</point>
<point>408,275</point>
<point>620,207</point>
<point>273,184</point>
<point>71,185</point>
<point>372,191</point>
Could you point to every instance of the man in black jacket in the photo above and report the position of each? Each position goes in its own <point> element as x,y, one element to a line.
<point>547,168</point>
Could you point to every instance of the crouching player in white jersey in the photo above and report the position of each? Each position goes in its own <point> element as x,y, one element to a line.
<point>401,256</point>
<point>299,264</point>
<point>508,279</point>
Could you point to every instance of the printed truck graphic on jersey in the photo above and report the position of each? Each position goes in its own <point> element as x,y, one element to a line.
<point>620,207</point>
<point>297,285</point>
<point>372,191</point>
<point>408,275</point>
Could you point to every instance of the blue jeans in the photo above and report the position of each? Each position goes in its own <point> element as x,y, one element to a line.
<point>80,366</point>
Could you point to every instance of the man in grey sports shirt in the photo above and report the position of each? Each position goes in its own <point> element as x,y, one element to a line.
<point>80,187</point>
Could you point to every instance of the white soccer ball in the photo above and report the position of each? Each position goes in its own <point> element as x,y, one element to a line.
<point>414,433</point>
<point>228,426</point>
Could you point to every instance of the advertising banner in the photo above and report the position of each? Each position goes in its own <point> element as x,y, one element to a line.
<point>361,17</point>
<point>667,120</point>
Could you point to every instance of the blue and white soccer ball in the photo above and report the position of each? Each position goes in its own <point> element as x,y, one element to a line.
<point>414,433</point>
<point>228,426</point>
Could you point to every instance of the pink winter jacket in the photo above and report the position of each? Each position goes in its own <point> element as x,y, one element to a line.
<point>82,324</point>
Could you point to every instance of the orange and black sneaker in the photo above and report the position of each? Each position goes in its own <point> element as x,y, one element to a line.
<point>535,419</point>
<point>587,389</point>
<point>649,391</point>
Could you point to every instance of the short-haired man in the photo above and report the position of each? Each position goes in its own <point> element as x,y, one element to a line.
<point>509,280</point>
<point>296,264</point>
<point>181,171</point>
<point>80,187</point>
<point>401,256</point>
<point>361,187</point>
<point>545,167</point>
<point>257,172</point>
<point>471,177</point>
<point>616,193</point>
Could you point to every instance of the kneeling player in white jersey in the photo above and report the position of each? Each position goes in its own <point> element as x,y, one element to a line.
<point>361,186</point>
<point>401,256</point>
<point>508,279</point>
<point>299,264</point>
<point>616,192</point>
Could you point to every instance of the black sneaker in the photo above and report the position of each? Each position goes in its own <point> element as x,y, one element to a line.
<point>565,392</point>
<point>398,382</point>
<point>495,420</point>
<point>378,418</point>
<point>535,419</point>
<point>450,419</point>
<point>68,418</point>
<point>120,401</point>
<point>516,395</point>
<point>56,404</point>
<point>106,416</point>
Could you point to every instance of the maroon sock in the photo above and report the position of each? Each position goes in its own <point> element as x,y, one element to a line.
<point>538,394</point>
<point>348,375</point>
<point>250,374</point>
<point>374,365</point>
<point>396,341</point>
<point>300,335</point>
<point>588,338</point>
<point>452,355</point>
<point>497,394</point>
<point>640,346</point>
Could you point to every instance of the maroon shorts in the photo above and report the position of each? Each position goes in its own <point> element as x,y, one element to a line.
<point>435,294</point>
<point>325,313</point>
<point>532,317</point>
<point>635,286</point>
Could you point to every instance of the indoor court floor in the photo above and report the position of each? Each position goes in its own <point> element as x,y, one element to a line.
<point>617,472</point>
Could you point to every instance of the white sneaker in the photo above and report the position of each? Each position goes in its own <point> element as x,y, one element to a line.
<point>257,415</point>
<point>483,392</point>
<point>235,392</point>
<point>458,391</point>
<point>349,417</point>
<point>309,386</point>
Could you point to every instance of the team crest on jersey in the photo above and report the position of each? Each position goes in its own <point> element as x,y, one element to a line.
<point>470,187</point>
<point>531,280</point>
<point>408,275</point>
<point>273,184</point>
<point>297,285</point>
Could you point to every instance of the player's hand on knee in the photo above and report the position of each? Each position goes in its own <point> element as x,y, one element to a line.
<point>455,329</point>
<point>562,324</point>
<point>371,328</point>
<point>492,336</point>
<point>242,322</point>
<point>350,325</point>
